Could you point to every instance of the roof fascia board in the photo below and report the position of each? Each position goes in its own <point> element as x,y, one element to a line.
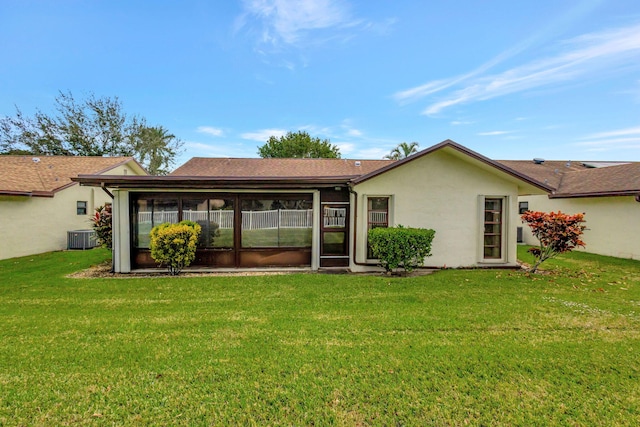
<point>470,153</point>
<point>595,194</point>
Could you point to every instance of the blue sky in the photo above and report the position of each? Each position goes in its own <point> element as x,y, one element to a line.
<point>509,79</point>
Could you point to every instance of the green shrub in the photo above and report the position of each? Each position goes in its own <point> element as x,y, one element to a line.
<point>101,223</point>
<point>174,245</point>
<point>400,247</point>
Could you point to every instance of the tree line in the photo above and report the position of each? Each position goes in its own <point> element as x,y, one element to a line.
<point>94,126</point>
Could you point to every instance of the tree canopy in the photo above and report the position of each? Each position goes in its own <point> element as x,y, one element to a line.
<point>89,127</point>
<point>402,150</point>
<point>298,144</point>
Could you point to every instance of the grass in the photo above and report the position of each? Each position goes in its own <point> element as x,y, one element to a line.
<point>478,347</point>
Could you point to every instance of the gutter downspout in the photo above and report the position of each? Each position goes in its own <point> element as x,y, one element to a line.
<point>104,188</point>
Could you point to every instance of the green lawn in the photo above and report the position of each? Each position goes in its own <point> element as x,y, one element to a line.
<point>454,348</point>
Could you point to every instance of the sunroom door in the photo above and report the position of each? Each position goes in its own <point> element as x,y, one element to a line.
<point>334,235</point>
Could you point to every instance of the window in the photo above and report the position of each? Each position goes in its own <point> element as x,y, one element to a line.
<point>215,216</point>
<point>493,221</point>
<point>149,212</point>
<point>81,208</point>
<point>272,223</point>
<point>377,216</point>
<point>523,207</point>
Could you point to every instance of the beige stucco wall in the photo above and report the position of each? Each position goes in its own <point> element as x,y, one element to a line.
<point>443,192</point>
<point>32,225</point>
<point>613,223</point>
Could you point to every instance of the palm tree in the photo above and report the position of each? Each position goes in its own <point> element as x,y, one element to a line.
<point>156,149</point>
<point>402,150</point>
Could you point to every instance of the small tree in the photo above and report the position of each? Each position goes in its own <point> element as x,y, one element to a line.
<point>101,222</point>
<point>300,145</point>
<point>557,233</point>
<point>400,247</point>
<point>175,244</point>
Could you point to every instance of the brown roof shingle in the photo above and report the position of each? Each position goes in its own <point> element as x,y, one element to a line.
<point>44,175</point>
<point>277,168</point>
<point>610,180</point>
<point>574,179</point>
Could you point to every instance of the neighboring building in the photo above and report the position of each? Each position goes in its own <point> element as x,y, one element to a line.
<point>606,192</point>
<point>315,213</point>
<point>39,203</point>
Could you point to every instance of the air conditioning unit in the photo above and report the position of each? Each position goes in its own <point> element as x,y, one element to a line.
<point>81,239</point>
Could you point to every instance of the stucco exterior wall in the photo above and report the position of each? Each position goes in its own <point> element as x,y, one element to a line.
<point>32,225</point>
<point>445,193</point>
<point>613,223</point>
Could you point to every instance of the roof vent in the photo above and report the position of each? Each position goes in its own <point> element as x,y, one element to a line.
<point>538,161</point>
<point>358,163</point>
<point>36,159</point>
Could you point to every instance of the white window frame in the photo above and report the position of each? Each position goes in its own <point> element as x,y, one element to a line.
<point>504,238</point>
<point>390,220</point>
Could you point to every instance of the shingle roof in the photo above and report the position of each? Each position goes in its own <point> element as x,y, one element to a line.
<point>576,179</point>
<point>44,175</point>
<point>277,168</point>
<point>549,172</point>
<point>610,180</point>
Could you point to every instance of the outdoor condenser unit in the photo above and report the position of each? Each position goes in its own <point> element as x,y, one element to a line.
<point>81,239</point>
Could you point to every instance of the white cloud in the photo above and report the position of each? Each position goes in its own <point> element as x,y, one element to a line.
<point>288,21</point>
<point>460,123</point>
<point>264,134</point>
<point>587,56</point>
<point>495,132</point>
<point>345,147</point>
<point>354,132</point>
<point>619,139</point>
<point>619,132</point>
<point>209,130</point>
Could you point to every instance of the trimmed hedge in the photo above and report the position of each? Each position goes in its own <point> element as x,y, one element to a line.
<point>174,245</point>
<point>401,247</point>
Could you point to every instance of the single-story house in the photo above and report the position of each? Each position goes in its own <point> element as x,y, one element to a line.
<point>608,193</point>
<point>39,204</point>
<point>315,213</point>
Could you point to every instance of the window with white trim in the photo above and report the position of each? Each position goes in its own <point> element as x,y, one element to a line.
<point>377,216</point>
<point>493,228</point>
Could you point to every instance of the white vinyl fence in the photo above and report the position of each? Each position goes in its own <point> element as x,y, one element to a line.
<point>378,217</point>
<point>281,218</point>
<point>335,217</point>
<point>251,220</point>
<point>224,219</point>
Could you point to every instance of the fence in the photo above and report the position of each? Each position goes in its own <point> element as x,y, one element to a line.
<point>335,217</point>
<point>282,218</point>
<point>378,217</point>
<point>224,219</point>
<point>251,220</point>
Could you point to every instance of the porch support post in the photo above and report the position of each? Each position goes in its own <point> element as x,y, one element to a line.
<point>121,232</point>
<point>315,237</point>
